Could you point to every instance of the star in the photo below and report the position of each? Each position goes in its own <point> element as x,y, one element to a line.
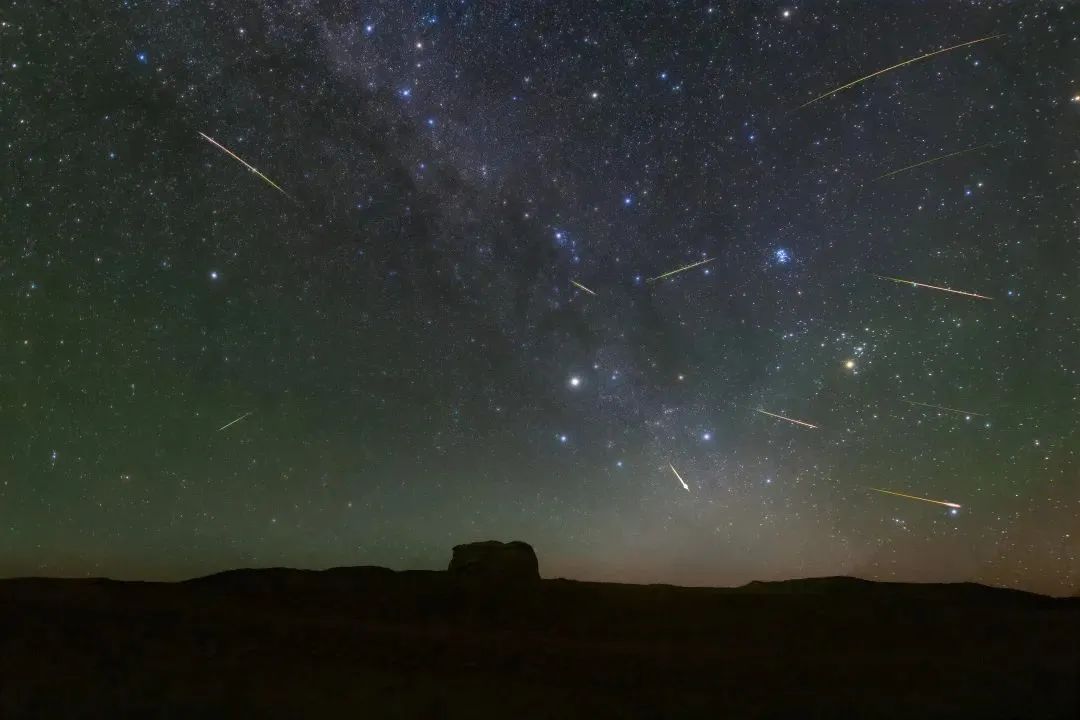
<point>574,382</point>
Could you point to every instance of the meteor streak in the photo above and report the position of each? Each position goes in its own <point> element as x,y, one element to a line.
<point>685,486</point>
<point>942,407</point>
<point>902,281</point>
<point>916,497</point>
<point>898,65</point>
<point>243,162</point>
<point>679,270</point>
<point>797,422</point>
<point>934,159</point>
<point>234,421</point>
<point>575,283</point>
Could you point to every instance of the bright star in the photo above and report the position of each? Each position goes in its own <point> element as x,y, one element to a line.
<point>562,438</point>
<point>706,436</point>
<point>575,381</point>
<point>849,364</point>
<point>782,256</point>
<point>214,275</point>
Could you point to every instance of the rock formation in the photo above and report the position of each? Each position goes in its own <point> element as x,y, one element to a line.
<point>496,561</point>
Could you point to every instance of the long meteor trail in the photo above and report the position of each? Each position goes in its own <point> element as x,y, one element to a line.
<point>942,407</point>
<point>790,420</point>
<point>685,486</point>
<point>234,421</point>
<point>864,78</point>
<point>934,159</point>
<point>243,162</point>
<point>684,268</point>
<point>916,497</point>
<point>902,281</point>
<point>576,284</point>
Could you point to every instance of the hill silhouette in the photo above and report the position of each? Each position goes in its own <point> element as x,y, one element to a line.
<point>372,642</point>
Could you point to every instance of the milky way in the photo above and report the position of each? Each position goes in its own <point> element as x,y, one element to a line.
<point>447,330</point>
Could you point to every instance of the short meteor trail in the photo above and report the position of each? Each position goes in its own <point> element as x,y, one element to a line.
<point>243,162</point>
<point>902,281</point>
<point>234,421</point>
<point>916,497</point>
<point>685,486</point>
<point>899,65</point>
<point>934,159</point>
<point>790,420</point>
<point>575,283</point>
<point>942,407</point>
<point>679,270</point>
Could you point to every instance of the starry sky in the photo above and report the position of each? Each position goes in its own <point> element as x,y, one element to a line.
<point>402,324</point>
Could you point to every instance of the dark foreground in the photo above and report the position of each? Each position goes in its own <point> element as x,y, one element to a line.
<point>367,642</point>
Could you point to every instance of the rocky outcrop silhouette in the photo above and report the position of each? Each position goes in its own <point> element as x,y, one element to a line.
<point>494,560</point>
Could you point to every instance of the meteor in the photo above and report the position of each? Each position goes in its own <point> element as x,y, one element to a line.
<point>942,407</point>
<point>902,281</point>
<point>243,162</point>
<point>916,497</point>
<point>797,422</point>
<point>935,159</point>
<point>899,65</point>
<point>234,421</point>
<point>679,270</point>
<point>685,486</point>
<point>575,283</point>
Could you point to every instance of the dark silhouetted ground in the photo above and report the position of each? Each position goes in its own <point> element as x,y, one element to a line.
<point>372,643</point>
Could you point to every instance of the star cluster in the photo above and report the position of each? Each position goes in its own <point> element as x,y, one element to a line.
<point>447,325</point>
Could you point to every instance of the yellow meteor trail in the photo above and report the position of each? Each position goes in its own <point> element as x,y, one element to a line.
<point>579,285</point>
<point>898,65</point>
<point>234,421</point>
<point>679,270</point>
<point>902,281</point>
<point>934,159</point>
<point>685,486</point>
<point>245,164</point>
<point>797,422</point>
<point>916,497</point>
<point>942,407</point>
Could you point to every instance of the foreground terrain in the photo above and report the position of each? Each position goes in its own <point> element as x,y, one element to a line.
<point>369,642</point>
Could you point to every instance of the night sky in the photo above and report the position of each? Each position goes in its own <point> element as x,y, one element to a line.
<point>399,329</point>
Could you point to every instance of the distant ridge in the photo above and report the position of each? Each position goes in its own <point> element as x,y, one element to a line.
<point>351,576</point>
